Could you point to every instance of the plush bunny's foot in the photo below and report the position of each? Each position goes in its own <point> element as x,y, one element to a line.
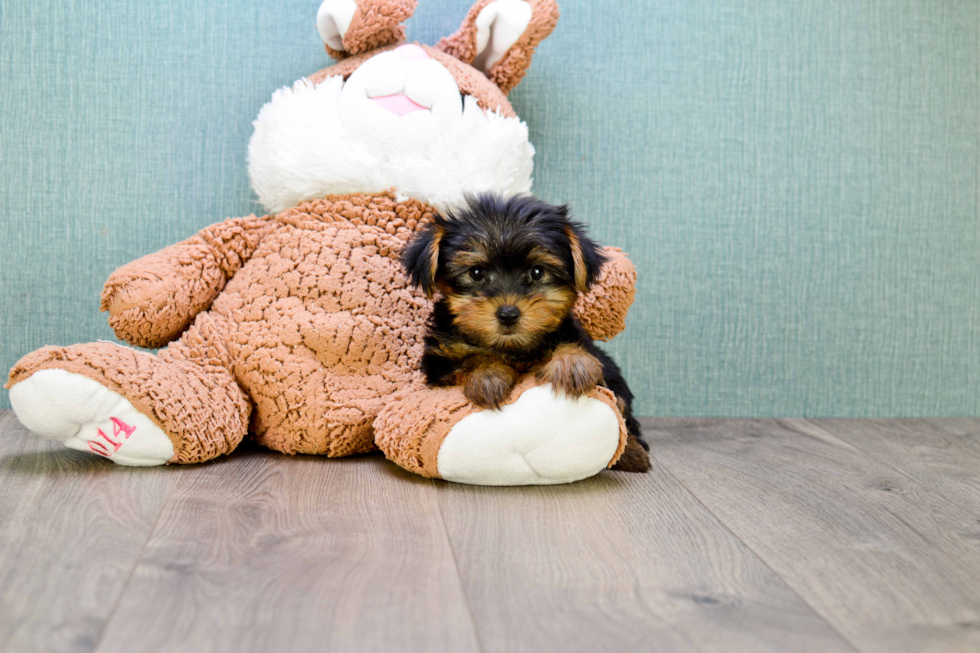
<point>172,407</point>
<point>538,438</point>
<point>85,415</point>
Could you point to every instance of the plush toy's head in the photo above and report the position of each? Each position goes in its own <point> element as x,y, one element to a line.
<point>433,123</point>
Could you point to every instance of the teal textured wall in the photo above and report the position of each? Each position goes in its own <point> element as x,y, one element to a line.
<point>796,180</point>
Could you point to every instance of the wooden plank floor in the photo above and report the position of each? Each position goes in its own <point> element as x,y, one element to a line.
<point>748,535</point>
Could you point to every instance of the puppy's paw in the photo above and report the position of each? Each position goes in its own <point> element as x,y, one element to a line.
<point>634,459</point>
<point>571,370</point>
<point>489,387</point>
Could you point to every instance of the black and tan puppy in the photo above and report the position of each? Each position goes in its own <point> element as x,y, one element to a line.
<point>509,271</point>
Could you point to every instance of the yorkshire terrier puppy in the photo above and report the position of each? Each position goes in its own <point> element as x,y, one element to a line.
<point>508,272</point>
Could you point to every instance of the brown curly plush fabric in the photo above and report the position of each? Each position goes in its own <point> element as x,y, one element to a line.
<point>346,65</point>
<point>312,329</point>
<point>410,429</point>
<point>377,23</point>
<point>151,301</point>
<point>322,325</point>
<point>603,310</point>
<point>509,71</point>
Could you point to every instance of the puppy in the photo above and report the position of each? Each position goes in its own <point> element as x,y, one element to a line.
<point>509,271</point>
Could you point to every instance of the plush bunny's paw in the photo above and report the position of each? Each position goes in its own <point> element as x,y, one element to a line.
<point>83,414</point>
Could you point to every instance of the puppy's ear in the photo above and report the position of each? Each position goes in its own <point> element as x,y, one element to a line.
<point>350,27</point>
<point>587,257</point>
<point>498,37</point>
<point>421,258</point>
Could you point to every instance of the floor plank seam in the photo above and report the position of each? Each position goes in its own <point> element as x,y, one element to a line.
<point>882,461</point>
<point>136,564</point>
<point>938,422</point>
<point>459,575</point>
<point>758,555</point>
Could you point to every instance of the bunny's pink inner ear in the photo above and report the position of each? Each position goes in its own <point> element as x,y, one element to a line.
<point>498,37</point>
<point>350,27</point>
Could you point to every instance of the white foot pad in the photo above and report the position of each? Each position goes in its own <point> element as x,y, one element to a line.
<point>85,415</point>
<point>540,439</point>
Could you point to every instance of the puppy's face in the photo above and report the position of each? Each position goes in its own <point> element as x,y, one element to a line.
<point>509,269</point>
<point>506,293</point>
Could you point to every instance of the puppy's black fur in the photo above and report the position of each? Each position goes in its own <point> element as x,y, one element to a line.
<point>508,272</point>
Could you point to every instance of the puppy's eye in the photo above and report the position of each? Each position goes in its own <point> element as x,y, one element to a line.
<point>537,273</point>
<point>477,274</point>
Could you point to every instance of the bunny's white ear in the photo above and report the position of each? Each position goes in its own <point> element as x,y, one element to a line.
<point>499,26</point>
<point>498,37</point>
<point>333,20</point>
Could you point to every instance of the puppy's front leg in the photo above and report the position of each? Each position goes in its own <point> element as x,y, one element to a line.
<point>487,381</point>
<point>571,370</point>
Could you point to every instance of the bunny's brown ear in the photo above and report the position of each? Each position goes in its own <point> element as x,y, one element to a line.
<point>498,37</point>
<point>354,26</point>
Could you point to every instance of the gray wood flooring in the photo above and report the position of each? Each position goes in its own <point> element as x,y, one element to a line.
<point>748,535</point>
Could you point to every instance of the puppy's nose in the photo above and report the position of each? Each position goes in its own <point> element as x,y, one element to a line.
<point>508,315</point>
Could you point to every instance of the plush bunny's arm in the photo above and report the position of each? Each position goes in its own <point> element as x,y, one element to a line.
<point>152,300</point>
<point>603,310</point>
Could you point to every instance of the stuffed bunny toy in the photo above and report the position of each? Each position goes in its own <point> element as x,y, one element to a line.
<point>299,326</point>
